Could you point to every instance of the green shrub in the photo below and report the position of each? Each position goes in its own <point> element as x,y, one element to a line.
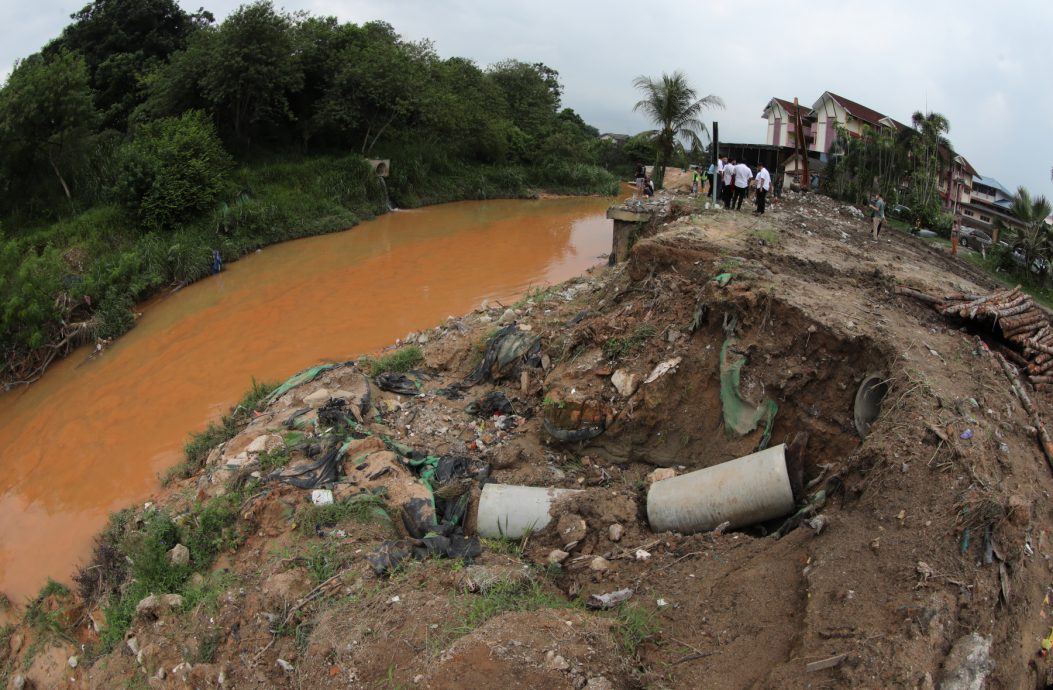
<point>211,529</point>
<point>148,552</point>
<point>172,170</point>
<point>115,315</point>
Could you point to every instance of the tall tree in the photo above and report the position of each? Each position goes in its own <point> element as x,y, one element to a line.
<point>251,69</point>
<point>378,84</point>
<point>47,114</point>
<point>122,41</point>
<point>673,105</point>
<point>533,94</point>
<point>932,129</point>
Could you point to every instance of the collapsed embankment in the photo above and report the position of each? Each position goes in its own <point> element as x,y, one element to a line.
<point>918,556</point>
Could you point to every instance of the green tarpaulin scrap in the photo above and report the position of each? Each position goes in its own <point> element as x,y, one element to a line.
<point>741,416</point>
<point>305,376</point>
<point>723,279</point>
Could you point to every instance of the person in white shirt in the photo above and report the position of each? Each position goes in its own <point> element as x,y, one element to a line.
<point>743,175</point>
<point>717,181</point>
<point>727,176</point>
<point>763,185</point>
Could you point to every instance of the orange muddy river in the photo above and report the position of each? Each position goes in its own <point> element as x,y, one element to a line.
<point>92,436</point>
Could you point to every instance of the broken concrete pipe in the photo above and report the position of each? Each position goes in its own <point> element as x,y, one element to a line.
<point>742,492</point>
<point>508,511</point>
<point>868,402</point>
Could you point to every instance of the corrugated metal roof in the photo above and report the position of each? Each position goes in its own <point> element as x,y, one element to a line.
<point>991,182</point>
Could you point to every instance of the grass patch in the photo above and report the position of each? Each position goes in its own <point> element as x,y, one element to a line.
<point>508,596</point>
<point>271,460</point>
<point>201,443</point>
<point>728,263</point>
<point>323,560</point>
<point>767,236</point>
<point>363,508</point>
<point>209,529</point>
<point>206,592</point>
<point>993,265</point>
<point>44,616</point>
<point>400,361</point>
<point>506,546</point>
<point>615,348</point>
<point>636,625</point>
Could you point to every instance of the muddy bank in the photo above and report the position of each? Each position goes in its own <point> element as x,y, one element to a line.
<point>95,433</point>
<point>920,557</point>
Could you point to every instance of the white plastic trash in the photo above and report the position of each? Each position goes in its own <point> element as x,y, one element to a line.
<point>322,497</point>
<point>511,511</point>
<point>742,492</point>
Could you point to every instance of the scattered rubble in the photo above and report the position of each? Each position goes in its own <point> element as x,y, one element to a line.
<point>487,516</point>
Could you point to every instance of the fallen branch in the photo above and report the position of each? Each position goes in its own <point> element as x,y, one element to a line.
<point>1029,407</point>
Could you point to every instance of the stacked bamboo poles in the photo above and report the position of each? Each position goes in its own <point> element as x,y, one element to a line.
<point>1021,322</point>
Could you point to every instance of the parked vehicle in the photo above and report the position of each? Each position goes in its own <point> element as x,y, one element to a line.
<point>974,239</point>
<point>900,212</point>
<point>1039,265</point>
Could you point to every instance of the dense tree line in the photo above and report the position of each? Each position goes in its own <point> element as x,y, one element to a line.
<point>144,137</point>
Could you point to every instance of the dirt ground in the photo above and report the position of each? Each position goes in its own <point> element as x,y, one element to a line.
<point>928,536</point>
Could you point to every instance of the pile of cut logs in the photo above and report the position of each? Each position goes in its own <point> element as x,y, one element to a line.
<point>1015,315</point>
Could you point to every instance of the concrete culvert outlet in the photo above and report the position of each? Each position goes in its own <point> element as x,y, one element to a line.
<point>871,393</point>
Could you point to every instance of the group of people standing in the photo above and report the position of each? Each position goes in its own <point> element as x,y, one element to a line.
<point>733,181</point>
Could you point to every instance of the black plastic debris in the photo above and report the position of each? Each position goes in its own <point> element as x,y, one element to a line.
<point>291,421</point>
<point>507,350</point>
<point>400,384</point>
<point>452,392</point>
<point>493,403</point>
<point>391,554</point>
<point>323,471</point>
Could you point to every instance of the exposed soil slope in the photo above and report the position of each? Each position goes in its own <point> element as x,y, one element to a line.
<point>881,593</point>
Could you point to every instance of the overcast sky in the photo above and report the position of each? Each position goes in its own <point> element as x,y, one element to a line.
<point>984,65</point>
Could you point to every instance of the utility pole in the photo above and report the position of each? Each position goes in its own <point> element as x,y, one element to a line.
<point>716,158</point>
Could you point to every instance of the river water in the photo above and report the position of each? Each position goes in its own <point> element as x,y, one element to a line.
<point>93,435</point>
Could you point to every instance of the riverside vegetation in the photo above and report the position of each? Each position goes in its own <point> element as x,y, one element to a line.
<point>144,138</point>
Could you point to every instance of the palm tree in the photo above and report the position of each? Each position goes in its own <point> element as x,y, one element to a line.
<point>1032,236</point>
<point>672,104</point>
<point>932,128</point>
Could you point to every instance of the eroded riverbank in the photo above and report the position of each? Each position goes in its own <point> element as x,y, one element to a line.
<point>92,436</point>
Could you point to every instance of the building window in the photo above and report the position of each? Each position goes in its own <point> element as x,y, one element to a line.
<point>968,213</point>
<point>986,219</point>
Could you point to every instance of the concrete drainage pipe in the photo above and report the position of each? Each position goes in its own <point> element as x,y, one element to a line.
<point>506,510</point>
<point>742,492</point>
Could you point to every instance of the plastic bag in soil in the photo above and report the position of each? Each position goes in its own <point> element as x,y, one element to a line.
<point>493,403</point>
<point>391,554</point>
<point>740,415</point>
<point>507,349</point>
<point>399,384</point>
<point>437,527</point>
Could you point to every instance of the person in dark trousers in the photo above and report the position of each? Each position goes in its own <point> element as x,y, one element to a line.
<point>763,180</point>
<point>727,182</point>
<point>742,175</point>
